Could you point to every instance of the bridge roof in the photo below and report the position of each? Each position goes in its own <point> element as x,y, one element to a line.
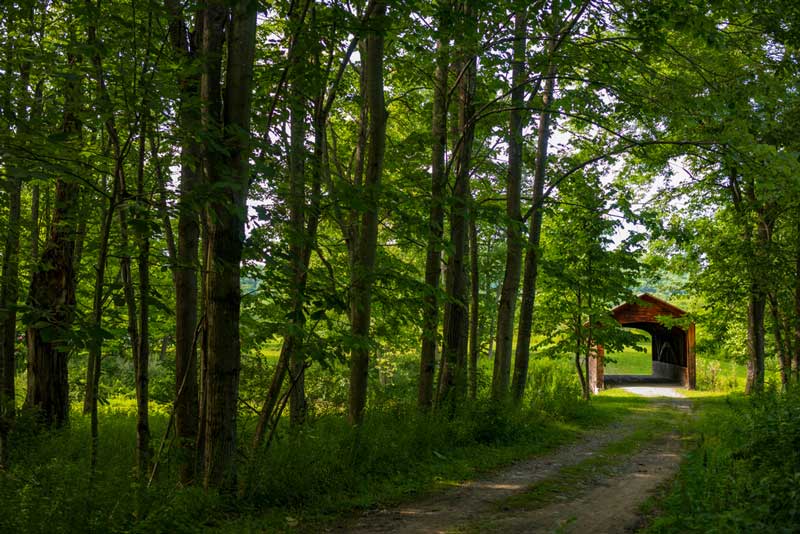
<point>646,310</point>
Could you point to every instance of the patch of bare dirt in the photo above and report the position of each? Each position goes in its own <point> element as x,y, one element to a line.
<point>610,505</point>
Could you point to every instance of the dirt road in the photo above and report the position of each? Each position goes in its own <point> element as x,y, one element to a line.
<point>596,485</point>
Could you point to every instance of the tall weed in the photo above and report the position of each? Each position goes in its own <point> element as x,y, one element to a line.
<point>553,387</point>
<point>745,475</point>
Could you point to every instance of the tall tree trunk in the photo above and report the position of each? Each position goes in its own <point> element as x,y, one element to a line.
<point>135,330</point>
<point>780,347</point>
<point>93,367</point>
<point>35,197</point>
<point>514,242</point>
<point>430,318</point>
<point>186,47</point>
<point>297,76</point>
<point>9,293</point>
<point>453,382</point>
<point>796,356</point>
<point>532,253</point>
<point>52,292</point>
<point>474,314</point>
<point>267,415</point>
<point>757,300</point>
<point>755,340</point>
<point>228,174</point>
<point>363,271</point>
<point>9,278</point>
<point>578,323</point>
<point>141,362</point>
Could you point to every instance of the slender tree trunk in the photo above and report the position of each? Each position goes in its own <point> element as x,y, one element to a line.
<point>9,293</point>
<point>273,395</point>
<point>9,278</point>
<point>430,318</point>
<point>52,292</point>
<point>297,75</point>
<point>93,367</point>
<point>436,219</point>
<point>474,316</point>
<point>453,382</point>
<point>35,230</point>
<point>268,409</point>
<point>35,197</point>
<point>780,347</point>
<point>141,362</point>
<point>755,311</point>
<point>364,260</point>
<point>796,358</point>
<point>584,380</point>
<point>228,173</point>
<point>755,340</point>
<point>186,46</point>
<point>200,442</point>
<point>514,242</point>
<point>532,253</point>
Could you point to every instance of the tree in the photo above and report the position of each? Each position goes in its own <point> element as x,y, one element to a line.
<point>227,154</point>
<point>186,46</point>
<point>52,291</point>
<point>508,294</point>
<point>587,277</point>
<point>453,374</point>
<point>365,247</point>
<point>430,320</point>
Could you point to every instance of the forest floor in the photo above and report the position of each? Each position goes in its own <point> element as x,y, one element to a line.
<point>599,484</point>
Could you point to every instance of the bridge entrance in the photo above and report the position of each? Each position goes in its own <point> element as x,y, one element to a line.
<point>672,347</point>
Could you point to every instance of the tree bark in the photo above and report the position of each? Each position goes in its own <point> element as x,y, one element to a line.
<point>268,409</point>
<point>474,314</point>
<point>780,347</point>
<point>755,340</point>
<point>796,356</point>
<point>532,253</point>
<point>363,271</point>
<point>453,382</point>
<point>93,367</point>
<point>430,317</point>
<point>757,301</point>
<point>508,294</point>
<point>52,291</point>
<point>9,293</point>
<point>141,362</point>
<point>228,174</point>
<point>297,238</point>
<point>186,47</point>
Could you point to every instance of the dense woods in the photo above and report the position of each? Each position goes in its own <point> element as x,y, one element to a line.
<point>232,228</point>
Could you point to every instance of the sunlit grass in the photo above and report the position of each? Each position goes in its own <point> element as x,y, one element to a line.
<point>629,362</point>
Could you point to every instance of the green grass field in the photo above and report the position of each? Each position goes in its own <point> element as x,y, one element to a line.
<point>629,362</point>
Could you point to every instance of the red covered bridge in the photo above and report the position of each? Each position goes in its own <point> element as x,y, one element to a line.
<point>672,348</point>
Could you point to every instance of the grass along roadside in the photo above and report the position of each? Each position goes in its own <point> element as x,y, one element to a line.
<point>743,473</point>
<point>429,471</point>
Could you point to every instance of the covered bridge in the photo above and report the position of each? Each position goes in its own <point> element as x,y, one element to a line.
<point>672,348</point>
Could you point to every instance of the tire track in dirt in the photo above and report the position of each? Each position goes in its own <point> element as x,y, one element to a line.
<point>610,504</point>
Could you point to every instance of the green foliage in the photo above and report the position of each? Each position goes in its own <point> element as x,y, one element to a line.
<point>325,467</point>
<point>743,475</point>
<point>553,387</point>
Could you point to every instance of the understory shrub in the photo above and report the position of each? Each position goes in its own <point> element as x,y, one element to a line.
<point>745,474</point>
<point>553,387</point>
<point>716,375</point>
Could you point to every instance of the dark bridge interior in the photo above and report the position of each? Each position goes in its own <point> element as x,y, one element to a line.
<point>672,348</point>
